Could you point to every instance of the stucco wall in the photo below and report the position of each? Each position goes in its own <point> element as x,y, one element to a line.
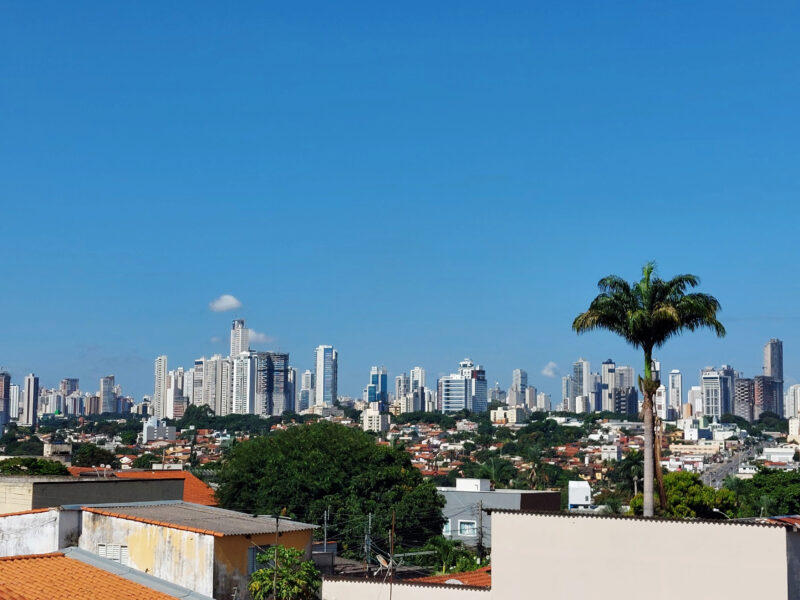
<point>181,557</point>
<point>371,590</point>
<point>230,553</point>
<point>15,496</point>
<point>603,558</point>
<point>32,533</point>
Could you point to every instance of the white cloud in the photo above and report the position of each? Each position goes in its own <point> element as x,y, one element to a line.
<point>224,302</point>
<point>260,338</point>
<point>216,339</point>
<point>550,370</point>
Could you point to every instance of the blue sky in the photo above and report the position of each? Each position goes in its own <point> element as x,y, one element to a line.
<point>410,183</point>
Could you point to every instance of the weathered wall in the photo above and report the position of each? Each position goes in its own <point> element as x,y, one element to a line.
<point>600,558</point>
<point>101,490</point>
<point>230,558</point>
<point>15,496</point>
<point>30,533</point>
<point>182,557</point>
<point>339,589</point>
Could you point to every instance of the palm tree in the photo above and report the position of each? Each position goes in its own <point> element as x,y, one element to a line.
<point>646,314</point>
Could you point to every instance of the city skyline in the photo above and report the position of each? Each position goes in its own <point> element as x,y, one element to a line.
<point>470,163</point>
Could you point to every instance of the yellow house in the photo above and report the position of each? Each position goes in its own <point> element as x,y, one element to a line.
<point>206,549</point>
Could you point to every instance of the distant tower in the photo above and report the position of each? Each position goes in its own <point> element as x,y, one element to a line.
<point>108,400</point>
<point>402,386</point>
<point>160,389</point>
<point>68,386</point>
<point>5,398</point>
<point>676,392</point>
<point>773,367</point>
<point>307,398</point>
<point>417,377</point>
<point>519,379</point>
<point>240,338</point>
<point>326,361</point>
<point>30,403</point>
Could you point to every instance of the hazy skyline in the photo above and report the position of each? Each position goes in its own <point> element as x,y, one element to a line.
<point>411,184</point>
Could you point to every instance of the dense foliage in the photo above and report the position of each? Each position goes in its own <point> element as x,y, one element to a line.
<point>89,455</point>
<point>18,441</point>
<point>770,492</point>
<point>32,466</point>
<point>304,470</point>
<point>687,497</point>
<point>286,576</point>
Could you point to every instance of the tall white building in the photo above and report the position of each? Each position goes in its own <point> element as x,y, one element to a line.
<point>625,377</point>
<point>326,360</point>
<point>567,396</point>
<point>240,338</point>
<point>676,392</point>
<point>14,401</point>
<point>542,401</point>
<point>711,389</point>
<point>466,389</point>
<point>160,391</point>
<point>695,398</point>
<point>608,380</point>
<point>580,377</point>
<point>307,397</point>
<point>402,386</point>
<point>791,404</point>
<point>417,378</point>
<point>244,383</point>
<point>198,382</point>
<point>661,403</point>
<point>30,402</point>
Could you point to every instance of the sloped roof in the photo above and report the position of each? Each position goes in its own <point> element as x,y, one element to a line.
<point>198,518</point>
<point>48,576</point>
<point>479,578</point>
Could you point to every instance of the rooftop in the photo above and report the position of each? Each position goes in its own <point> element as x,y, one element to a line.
<point>195,490</point>
<point>209,520</point>
<point>479,578</point>
<point>48,576</point>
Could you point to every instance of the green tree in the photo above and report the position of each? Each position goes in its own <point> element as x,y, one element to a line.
<point>687,497</point>
<point>145,461</point>
<point>770,492</point>
<point>32,466</point>
<point>646,314</point>
<point>89,455</point>
<point>305,470</point>
<point>286,577</point>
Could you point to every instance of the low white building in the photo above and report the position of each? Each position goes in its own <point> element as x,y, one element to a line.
<point>611,452</point>
<point>509,415</point>
<point>373,420</point>
<point>579,494</point>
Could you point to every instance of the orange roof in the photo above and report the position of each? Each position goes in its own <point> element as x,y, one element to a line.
<point>479,578</point>
<point>26,512</point>
<point>48,576</point>
<point>194,489</point>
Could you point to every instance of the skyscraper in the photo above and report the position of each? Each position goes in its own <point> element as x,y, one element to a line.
<point>273,393</point>
<point>744,398</point>
<point>160,391</point>
<point>244,383</point>
<point>466,389</point>
<point>68,386</point>
<point>608,372</point>
<point>30,403</point>
<point>198,382</point>
<point>326,361</point>
<point>108,400</point>
<point>402,386</point>
<point>307,397</point>
<point>711,389</point>
<point>773,367</point>
<point>5,398</point>
<point>764,396</point>
<point>377,389</point>
<point>519,379</point>
<point>791,402</point>
<point>240,338</point>
<point>417,378</point>
<point>14,401</point>
<point>567,395</point>
<point>676,392</point>
<point>580,377</point>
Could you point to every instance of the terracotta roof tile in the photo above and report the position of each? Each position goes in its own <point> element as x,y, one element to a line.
<point>48,576</point>
<point>26,512</point>
<point>479,578</point>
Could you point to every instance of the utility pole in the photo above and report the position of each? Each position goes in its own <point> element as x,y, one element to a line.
<point>391,557</point>
<point>480,531</point>
<point>275,560</point>
<point>367,544</point>
<point>325,532</point>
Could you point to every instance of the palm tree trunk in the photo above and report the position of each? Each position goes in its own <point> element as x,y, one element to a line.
<point>647,409</point>
<point>662,494</point>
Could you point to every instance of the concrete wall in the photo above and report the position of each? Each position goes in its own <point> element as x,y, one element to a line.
<point>230,558</point>
<point>181,557</point>
<point>345,589</point>
<point>30,533</point>
<point>601,558</point>
<point>15,495</point>
<point>97,491</point>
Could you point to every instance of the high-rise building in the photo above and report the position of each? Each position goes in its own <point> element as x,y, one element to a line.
<point>711,386</point>
<point>530,397</point>
<point>744,398</point>
<point>519,379</point>
<point>608,372</point>
<point>580,377</point>
<point>417,377</point>
<point>764,396</point>
<point>542,401</point>
<point>307,397</point>
<point>291,388</point>
<point>377,389</point>
<point>225,387</point>
<point>773,368</point>
<point>791,402</point>
<point>240,338</point>
<point>676,392</point>
<point>108,400</point>
<point>14,401</point>
<point>661,402</point>
<point>728,381</point>
<point>198,382</point>
<point>466,389</point>
<point>402,386</point>
<point>5,398</point>
<point>625,377</point>
<point>274,394</point>
<point>244,383</point>
<point>68,386</point>
<point>326,361</point>
<point>695,398</point>
<point>29,415</point>
<point>174,396</point>
<point>160,391</point>
<point>567,395</point>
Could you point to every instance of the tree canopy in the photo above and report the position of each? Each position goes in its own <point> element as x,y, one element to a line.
<point>89,455</point>
<point>687,497</point>
<point>286,577</point>
<point>770,492</point>
<point>304,470</point>
<point>32,466</point>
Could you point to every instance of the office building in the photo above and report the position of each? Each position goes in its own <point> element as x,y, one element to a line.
<point>326,361</point>
<point>291,388</point>
<point>530,397</point>
<point>773,368</point>
<point>727,380</point>
<point>108,399</point>
<point>711,386</point>
<point>377,388</point>
<point>273,395</point>
<point>675,401</point>
<point>566,394</point>
<point>417,378</point>
<point>580,378</point>
<point>240,338</point>
<point>307,396</point>
<point>625,377</point>
<point>466,389</point>
<point>519,380</point>
<point>695,399</point>
<point>243,396</point>
<point>744,398</point>
<point>29,413</point>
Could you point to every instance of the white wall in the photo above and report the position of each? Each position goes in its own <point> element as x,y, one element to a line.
<point>613,556</point>
<point>181,557</point>
<point>15,496</point>
<point>376,590</point>
<point>31,533</point>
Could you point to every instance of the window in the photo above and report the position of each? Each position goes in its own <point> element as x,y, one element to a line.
<point>253,564</point>
<point>446,528</point>
<point>467,528</point>
<point>113,552</point>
